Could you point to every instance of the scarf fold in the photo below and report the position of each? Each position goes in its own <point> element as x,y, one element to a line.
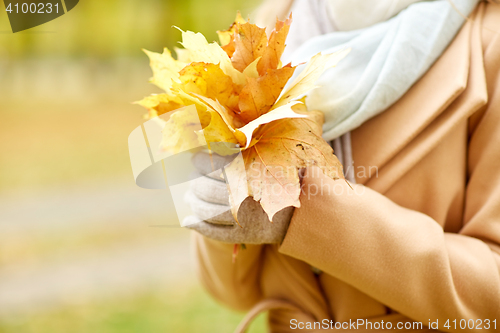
<point>358,14</point>
<point>385,61</point>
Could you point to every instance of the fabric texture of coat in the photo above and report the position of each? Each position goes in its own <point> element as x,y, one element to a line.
<point>418,239</point>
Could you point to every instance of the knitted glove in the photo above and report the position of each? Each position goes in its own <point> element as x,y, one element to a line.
<point>209,201</point>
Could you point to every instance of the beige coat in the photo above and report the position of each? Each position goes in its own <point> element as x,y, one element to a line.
<point>420,240</point>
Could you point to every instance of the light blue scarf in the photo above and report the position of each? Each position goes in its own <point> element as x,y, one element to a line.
<point>385,61</point>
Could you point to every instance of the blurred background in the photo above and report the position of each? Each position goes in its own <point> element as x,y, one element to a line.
<point>81,248</point>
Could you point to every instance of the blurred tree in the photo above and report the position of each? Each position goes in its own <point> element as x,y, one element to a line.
<point>120,28</point>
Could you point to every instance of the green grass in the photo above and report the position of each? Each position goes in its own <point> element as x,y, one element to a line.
<point>176,309</point>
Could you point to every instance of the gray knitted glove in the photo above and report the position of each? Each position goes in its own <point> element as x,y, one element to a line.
<point>209,200</point>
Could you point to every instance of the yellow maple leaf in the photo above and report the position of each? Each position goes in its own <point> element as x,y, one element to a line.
<point>251,70</point>
<point>165,68</point>
<point>201,108</point>
<point>159,104</point>
<point>182,55</point>
<point>227,116</point>
<point>209,80</point>
<point>276,45</point>
<point>202,51</point>
<point>180,131</point>
<point>217,131</point>
<point>245,134</point>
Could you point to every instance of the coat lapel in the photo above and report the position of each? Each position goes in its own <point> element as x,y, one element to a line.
<point>452,89</point>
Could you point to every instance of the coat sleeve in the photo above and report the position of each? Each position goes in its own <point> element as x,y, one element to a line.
<point>403,258</point>
<point>234,284</point>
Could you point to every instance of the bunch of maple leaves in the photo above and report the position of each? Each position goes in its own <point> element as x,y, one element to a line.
<point>238,92</point>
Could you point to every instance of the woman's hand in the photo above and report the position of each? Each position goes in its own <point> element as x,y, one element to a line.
<point>209,200</point>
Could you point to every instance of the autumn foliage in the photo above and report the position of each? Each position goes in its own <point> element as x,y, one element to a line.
<point>239,92</point>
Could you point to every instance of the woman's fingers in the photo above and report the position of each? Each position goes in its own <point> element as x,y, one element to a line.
<point>254,228</point>
<point>210,212</point>
<point>221,233</point>
<point>210,190</point>
<point>209,202</point>
<point>206,163</point>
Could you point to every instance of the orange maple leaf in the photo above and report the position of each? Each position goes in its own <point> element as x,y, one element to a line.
<point>250,42</point>
<point>260,94</point>
<point>275,47</point>
<point>271,165</point>
<point>226,37</point>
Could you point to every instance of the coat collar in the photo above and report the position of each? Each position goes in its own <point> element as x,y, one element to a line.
<point>452,89</point>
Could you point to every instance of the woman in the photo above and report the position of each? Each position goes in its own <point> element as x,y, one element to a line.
<point>417,240</point>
